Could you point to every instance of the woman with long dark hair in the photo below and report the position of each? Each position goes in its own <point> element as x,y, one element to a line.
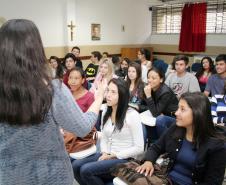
<point>56,67</point>
<point>122,137</point>
<point>196,151</point>
<point>32,109</point>
<point>206,70</point>
<point>160,100</point>
<point>123,69</point>
<point>136,85</point>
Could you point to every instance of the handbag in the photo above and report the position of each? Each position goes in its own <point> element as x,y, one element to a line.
<point>127,173</point>
<point>77,144</point>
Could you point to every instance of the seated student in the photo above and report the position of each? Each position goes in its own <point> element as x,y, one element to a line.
<point>182,81</point>
<point>116,62</point>
<point>218,107</point>
<point>83,97</point>
<point>122,137</point>
<point>76,51</point>
<point>160,100</point>
<point>215,84</point>
<point>206,70</point>
<point>105,55</point>
<point>69,63</point>
<point>136,85</point>
<point>196,152</point>
<point>123,70</point>
<point>144,56</point>
<point>92,68</point>
<point>56,67</point>
<point>105,71</point>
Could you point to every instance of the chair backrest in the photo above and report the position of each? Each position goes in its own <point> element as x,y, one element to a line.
<point>195,67</point>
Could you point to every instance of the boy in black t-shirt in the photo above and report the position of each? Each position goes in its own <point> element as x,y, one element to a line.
<point>92,68</point>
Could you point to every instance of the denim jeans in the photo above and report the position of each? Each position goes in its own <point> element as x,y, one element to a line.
<point>163,123</point>
<point>90,171</point>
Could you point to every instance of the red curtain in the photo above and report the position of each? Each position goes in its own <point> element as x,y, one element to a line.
<point>193,28</point>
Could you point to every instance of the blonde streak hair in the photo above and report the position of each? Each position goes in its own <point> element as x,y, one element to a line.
<point>110,68</point>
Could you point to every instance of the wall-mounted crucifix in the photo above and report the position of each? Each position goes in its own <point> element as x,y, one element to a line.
<point>71,26</point>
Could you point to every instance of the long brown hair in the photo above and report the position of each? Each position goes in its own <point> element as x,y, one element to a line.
<point>25,86</point>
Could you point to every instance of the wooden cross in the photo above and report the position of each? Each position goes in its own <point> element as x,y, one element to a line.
<point>71,26</point>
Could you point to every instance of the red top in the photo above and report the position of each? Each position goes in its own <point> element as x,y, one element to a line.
<point>85,101</point>
<point>65,79</point>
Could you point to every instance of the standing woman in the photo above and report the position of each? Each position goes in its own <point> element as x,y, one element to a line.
<point>196,151</point>
<point>32,110</point>
<point>206,70</point>
<point>136,85</point>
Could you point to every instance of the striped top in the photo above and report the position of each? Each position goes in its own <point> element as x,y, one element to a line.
<point>218,109</point>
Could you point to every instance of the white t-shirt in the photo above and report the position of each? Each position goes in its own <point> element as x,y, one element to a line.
<point>180,85</point>
<point>129,142</point>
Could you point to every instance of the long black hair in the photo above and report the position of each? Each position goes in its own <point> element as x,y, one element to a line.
<point>25,86</point>
<point>139,84</point>
<point>59,70</point>
<point>203,126</point>
<point>201,70</point>
<point>146,53</point>
<point>123,100</point>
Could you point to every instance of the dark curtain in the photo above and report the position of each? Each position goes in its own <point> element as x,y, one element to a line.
<point>193,28</point>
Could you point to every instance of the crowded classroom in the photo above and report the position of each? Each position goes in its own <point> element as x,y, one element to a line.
<point>121,92</point>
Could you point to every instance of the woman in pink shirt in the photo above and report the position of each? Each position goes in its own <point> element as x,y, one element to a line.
<point>206,70</point>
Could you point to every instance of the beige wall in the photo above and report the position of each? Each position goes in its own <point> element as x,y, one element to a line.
<point>116,49</point>
<point>210,50</point>
<point>86,50</point>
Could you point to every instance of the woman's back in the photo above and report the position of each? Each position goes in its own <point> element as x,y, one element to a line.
<point>35,154</point>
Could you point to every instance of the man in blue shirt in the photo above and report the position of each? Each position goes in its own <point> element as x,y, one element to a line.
<point>215,84</point>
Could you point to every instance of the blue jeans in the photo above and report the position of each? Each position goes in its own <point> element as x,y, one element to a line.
<point>90,171</point>
<point>163,123</point>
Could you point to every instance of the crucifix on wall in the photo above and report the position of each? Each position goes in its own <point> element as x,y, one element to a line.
<point>71,26</point>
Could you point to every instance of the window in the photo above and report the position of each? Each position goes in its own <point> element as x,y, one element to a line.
<point>168,19</point>
<point>216,18</point>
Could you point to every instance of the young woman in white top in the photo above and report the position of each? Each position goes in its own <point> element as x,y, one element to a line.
<point>122,137</point>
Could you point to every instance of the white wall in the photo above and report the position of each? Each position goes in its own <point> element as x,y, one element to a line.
<point>48,15</point>
<point>112,14</point>
<point>211,39</point>
<point>52,17</point>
